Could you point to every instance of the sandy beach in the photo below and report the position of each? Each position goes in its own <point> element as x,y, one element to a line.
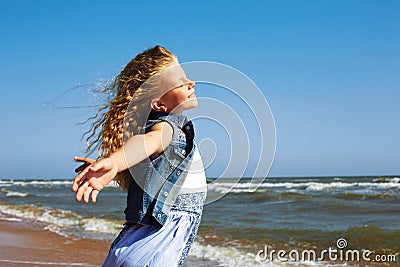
<point>29,244</point>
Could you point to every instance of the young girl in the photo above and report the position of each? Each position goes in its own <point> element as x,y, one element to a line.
<point>147,145</point>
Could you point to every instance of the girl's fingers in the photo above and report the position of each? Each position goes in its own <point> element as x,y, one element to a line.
<point>83,185</point>
<point>94,167</point>
<point>86,194</point>
<point>96,184</point>
<point>81,168</point>
<point>78,180</point>
<point>97,166</point>
<point>95,193</point>
<point>104,164</point>
<point>81,190</point>
<point>85,160</point>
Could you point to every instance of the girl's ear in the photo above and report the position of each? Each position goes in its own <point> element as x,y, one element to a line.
<point>157,105</point>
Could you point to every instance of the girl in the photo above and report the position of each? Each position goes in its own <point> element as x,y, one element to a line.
<point>147,145</point>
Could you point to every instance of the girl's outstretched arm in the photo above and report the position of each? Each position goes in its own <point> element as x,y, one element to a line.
<point>96,176</point>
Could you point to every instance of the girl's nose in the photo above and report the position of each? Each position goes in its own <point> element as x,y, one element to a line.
<point>191,84</point>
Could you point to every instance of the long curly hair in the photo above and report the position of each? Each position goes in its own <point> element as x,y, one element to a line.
<point>126,112</point>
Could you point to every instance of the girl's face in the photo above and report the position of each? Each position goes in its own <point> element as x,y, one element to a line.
<point>179,94</point>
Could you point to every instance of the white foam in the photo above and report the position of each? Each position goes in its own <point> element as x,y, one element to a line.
<point>5,183</point>
<point>16,194</point>
<point>55,216</point>
<point>314,186</point>
<point>391,185</point>
<point>48,183</point>
<point>100,225</point>
<point>62,222</point>
<point>10,219</point>
<point>227,256</point>
<point>57,230</point>
<point>226,187</point>
<point>34,182</point>
<point>222,187</point>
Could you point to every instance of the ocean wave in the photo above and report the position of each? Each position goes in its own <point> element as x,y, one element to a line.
<point>229,187</point>
<point>388,179</point>
<point>10,219</point>
<point>40,183</point>
<point>63,222</point>
<point>16,194</point>
<point>10,193</point>
<point>6,183</point>
<point>314,186</point>
<point>225,187</point>
<point>227,256</point>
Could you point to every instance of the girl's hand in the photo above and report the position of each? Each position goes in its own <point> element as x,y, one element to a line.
<point>93,179</point>
<point>86,162</point>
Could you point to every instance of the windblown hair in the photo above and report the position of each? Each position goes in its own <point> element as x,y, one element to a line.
<point>125,114</point>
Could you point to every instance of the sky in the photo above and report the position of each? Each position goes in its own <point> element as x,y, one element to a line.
<point>328,69</point>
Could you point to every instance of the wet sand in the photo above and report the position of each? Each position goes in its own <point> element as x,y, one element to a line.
<point>29,244</point>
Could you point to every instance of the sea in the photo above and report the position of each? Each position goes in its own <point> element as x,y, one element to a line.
<point>299,221</point>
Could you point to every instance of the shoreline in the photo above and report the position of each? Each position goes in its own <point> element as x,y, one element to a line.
<point>28,243</point>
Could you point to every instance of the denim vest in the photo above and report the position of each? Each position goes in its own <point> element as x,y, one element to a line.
<point>156,181</point>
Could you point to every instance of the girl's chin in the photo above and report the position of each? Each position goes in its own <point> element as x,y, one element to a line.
<point>191,103</point>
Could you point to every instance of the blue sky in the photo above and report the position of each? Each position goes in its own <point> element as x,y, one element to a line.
<point>329,70</point>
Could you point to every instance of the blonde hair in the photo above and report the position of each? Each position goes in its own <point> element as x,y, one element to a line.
<point>119,119</point>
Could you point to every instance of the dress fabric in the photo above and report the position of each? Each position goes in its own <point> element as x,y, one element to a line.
<point>167,245</point>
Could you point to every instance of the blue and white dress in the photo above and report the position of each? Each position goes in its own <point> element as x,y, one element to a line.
<point>167,245</point>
